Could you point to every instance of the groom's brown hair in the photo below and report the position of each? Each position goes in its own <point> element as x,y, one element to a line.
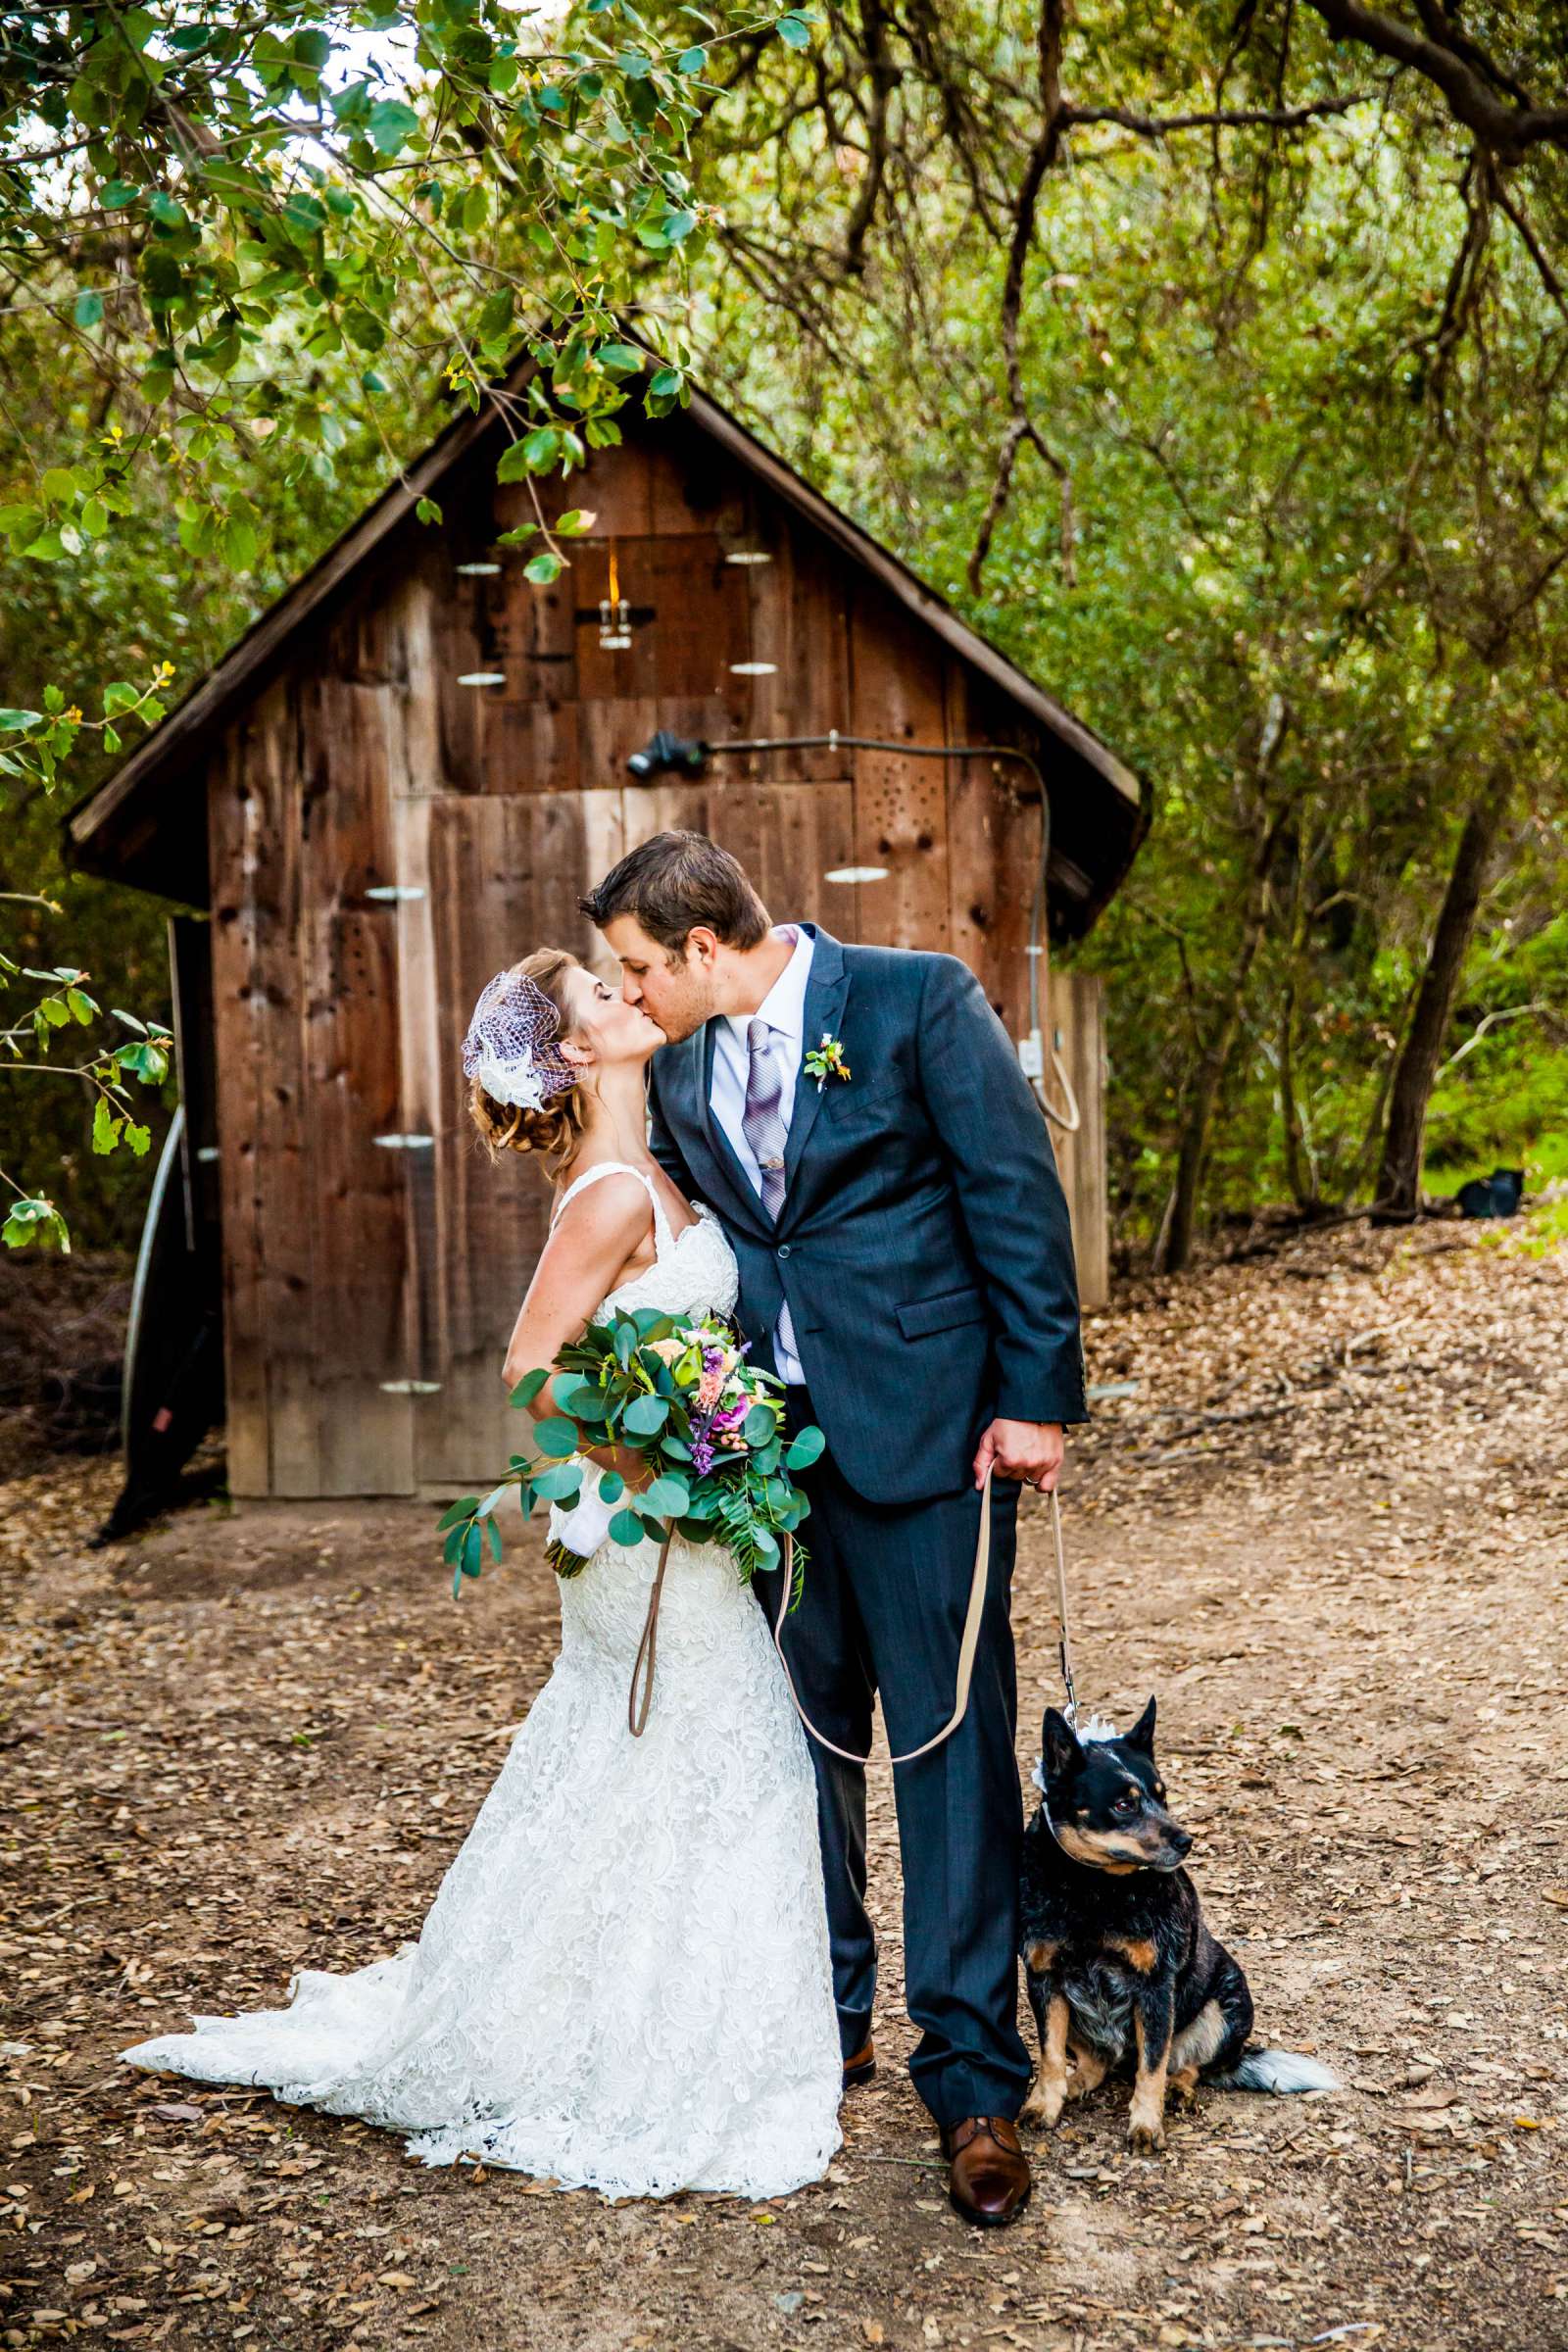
<point>676,881</point>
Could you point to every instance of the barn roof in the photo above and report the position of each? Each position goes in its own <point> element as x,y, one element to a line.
<point>113,831</point>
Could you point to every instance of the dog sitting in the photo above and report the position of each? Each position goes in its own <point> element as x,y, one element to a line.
<point>1122,1973</point>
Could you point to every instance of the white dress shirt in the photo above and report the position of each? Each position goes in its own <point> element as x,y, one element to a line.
<point>783,1009</point>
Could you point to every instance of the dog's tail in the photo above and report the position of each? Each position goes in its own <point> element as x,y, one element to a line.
<point>1282,2072</point>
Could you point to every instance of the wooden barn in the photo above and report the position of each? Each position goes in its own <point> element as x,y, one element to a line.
<point>399,780</point>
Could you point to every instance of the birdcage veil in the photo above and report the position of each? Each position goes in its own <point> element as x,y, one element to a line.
<point>511,1047</point>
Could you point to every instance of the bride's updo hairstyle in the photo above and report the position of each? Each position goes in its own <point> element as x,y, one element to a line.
<point>523,1095</point>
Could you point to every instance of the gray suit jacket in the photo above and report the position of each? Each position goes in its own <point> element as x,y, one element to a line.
<point>923,1243</point>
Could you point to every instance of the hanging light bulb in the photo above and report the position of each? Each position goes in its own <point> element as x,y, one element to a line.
<point>614,613</point>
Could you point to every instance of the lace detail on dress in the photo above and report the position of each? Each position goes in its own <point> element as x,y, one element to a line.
<point>624,1982</point>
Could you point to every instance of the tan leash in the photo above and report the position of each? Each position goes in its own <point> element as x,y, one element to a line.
<point>637,1707</point>
<point>647,1650</point>
<point>1065,1646</point>
<point>966,1649</point>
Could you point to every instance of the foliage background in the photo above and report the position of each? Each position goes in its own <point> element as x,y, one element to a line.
<point>1284,524</point>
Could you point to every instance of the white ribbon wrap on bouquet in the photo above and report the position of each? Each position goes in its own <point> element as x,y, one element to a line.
<point>585,1526</point>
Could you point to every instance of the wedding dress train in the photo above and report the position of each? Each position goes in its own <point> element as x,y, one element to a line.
<point>623,1983</point>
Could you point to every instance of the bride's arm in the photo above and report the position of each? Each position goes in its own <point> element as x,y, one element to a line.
<point>584,1259</point>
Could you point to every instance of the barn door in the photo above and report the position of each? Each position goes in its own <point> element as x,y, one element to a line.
<point>489,878</point>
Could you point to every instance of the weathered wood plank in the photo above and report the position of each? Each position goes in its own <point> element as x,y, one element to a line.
<point>901,805</point>
<point>257,824</point>
<point>1076,1030</point>
<point>504,877</point>
<point>800,623</point>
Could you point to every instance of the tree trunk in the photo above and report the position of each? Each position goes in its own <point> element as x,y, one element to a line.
<point>1398,1187</point>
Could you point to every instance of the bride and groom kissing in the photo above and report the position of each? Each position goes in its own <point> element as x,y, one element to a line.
<point>651,1968</point>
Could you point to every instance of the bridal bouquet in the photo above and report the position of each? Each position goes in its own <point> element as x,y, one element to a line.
<point>678,1393</point>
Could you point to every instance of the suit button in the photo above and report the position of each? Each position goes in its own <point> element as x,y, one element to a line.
<point>783,1250</point>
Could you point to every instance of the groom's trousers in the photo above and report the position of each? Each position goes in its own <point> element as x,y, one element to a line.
<point>886,1592</point>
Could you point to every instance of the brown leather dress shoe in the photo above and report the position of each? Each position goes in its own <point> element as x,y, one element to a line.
<point>987,2181</point>
<point>861,2067</point>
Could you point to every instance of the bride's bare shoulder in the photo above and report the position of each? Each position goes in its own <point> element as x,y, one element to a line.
<point>616,1203</point>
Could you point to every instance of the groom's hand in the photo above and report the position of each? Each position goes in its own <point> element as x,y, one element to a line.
<point>1030,1451</point>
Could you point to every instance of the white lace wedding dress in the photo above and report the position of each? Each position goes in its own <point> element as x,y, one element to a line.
<point>623,1983</point>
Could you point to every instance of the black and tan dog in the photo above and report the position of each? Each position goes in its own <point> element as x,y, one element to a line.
<point>1122,1974</point>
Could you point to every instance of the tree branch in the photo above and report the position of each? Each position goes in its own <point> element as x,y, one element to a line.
<point>1446,63</point>
<point>1223,117</point>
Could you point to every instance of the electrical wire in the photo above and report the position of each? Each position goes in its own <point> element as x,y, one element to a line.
<point>1069,1119</point>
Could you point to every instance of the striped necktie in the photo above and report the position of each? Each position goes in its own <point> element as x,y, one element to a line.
<point>763,1121</point>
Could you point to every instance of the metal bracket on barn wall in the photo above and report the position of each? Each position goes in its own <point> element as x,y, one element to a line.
<point>689,755</point>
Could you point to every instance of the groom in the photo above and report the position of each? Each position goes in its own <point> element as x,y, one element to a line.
<point>906,1268</point>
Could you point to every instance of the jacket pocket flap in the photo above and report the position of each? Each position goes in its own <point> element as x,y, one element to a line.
<point>920,1316</point>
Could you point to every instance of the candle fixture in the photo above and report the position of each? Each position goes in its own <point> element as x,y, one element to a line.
<point>478,571</point>
<point>615,613</point>
<point>748,554</point>
<point>857,874</point>
<point>482,677</point>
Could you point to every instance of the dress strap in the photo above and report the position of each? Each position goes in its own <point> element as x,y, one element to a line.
<point>662,1232</point>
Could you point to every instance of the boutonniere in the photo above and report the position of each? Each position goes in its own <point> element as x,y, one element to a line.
<point>826,1060</point>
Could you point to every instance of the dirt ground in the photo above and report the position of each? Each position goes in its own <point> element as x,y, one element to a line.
<point>1328,1527</point>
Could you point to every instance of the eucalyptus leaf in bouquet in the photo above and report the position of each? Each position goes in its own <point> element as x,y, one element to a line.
<point>678,1395</point>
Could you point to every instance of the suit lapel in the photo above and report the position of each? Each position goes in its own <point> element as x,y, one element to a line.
<point>825,993</point>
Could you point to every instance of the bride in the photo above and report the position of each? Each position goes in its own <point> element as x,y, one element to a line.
<point>623,1983</point>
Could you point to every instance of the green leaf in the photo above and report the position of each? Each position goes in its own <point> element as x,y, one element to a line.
<point>612,1486</point>
<point>678,225</point>
<point>17,722</point>
<point>561,1483</point>
<point>758,1425</point>
<point>806,1447</point>
<point>105,1126</point>
<point>240,543</point>
<point>39,1221</point>
<point>164,210</point>
<point>794,33</point>
<point>670,1496</point>
<point>574,521</point>
<point>392,124</point>
<point>557,1437</point>
<point>541,448</point>
<point>463,1509</point>
<point>529,1386</point>
<point>89,308</point>
<point>691,61</point>
<point>665,382</point>
<point>621,358</point>
<point>426,511</point>
<point>116,194</point>
<point>626,1527</point>
<point>645,1416</point>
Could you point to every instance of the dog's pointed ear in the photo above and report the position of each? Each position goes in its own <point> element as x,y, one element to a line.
<point>1059,1744</point>
<point>1142,1734</point>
